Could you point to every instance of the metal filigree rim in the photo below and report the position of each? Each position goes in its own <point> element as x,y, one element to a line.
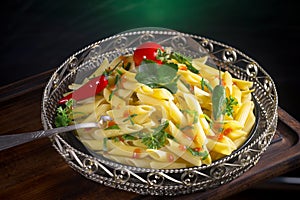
<point>185,180</point>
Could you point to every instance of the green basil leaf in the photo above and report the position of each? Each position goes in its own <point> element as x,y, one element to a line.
<point>147,73</point>
<point>158,76</point>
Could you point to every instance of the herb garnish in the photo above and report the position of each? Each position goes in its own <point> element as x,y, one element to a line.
<point>158,76</point>
<point>207,117</point>
<point>184,60</point>
<point>123,137</point>
<point>164,57</point>
<point>206,84</point>
<point>63,116</point>
<point>218,102</point>
<point>157,138</point>
<point>230,102</point>
<point>203,154</point>
<point>113,127</point>
<point>130,118</point>
<point>128,137</point>
<point>111,95</point>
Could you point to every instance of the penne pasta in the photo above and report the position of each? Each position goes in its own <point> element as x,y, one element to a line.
<point>224,146</point>
<point>162,156</point>
<point>242,84</point>
<point>249,123</point>
<point>243,112</point>
<point>162,119</point>
<point>181,151</point>
<point>120,149</point>
<point>227,81</point>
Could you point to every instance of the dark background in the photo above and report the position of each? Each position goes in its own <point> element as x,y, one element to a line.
<point>39,35</point>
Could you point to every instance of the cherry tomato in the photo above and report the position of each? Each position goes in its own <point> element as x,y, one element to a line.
<point>147,50</point>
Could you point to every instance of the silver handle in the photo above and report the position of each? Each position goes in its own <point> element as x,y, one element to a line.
<point>8,141</point>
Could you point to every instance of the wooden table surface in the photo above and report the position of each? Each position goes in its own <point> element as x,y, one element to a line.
<point>36,171</point>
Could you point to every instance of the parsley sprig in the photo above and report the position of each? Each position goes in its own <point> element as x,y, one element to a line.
<point>63,114</point>
<point>157,138</point>
<point>153,140</point>
<point>164,57</point>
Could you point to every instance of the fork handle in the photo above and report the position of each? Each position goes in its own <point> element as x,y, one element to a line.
<point>8,141</point>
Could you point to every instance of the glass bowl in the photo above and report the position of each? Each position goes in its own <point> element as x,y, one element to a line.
<point>149,181</point>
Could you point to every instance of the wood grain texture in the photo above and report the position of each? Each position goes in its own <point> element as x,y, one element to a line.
<point>36,171</point>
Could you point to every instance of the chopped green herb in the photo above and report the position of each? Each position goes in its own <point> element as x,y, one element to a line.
<point>184,60</point>
<point>128,137</point>
<point>207,117</point>
<point>123,137</point>
<point>63,114</point>
<point>230,102</point>
<point>119,72</point>
<point>202,154</point>
<point>130,118</point>
<point>108,72</point>
<point>117,79</point>
<point>164,57</point>
<point>111,95</point>
<point>206,84</point>
<point>113,127</point>
<point>157,138</point>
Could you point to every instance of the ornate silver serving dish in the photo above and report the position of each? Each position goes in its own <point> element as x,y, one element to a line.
<point>163,181</point>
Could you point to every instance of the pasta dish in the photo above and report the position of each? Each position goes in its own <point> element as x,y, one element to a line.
<point>171,112</point>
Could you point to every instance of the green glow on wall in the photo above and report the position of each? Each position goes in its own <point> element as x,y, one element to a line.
<point>176,14</point>
<point>204,17</point>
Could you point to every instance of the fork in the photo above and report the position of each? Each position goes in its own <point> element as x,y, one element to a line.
<point>8,141</point>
